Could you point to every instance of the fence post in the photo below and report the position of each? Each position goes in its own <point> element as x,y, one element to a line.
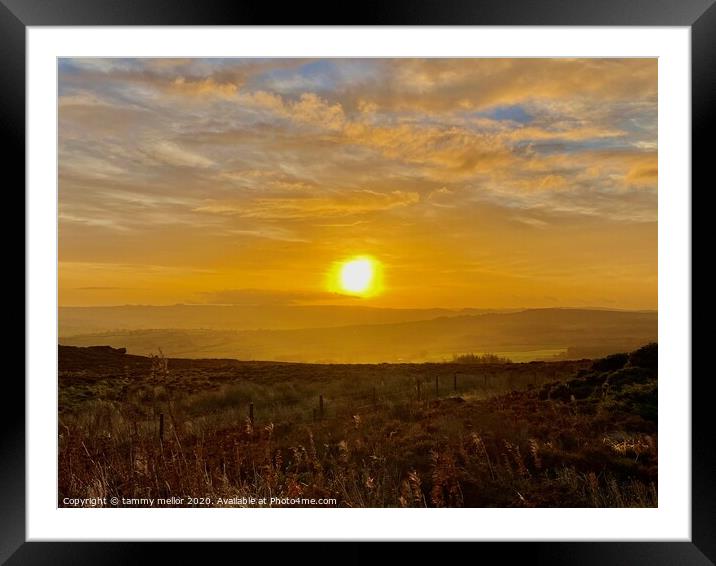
<point>320,405</point>
<point>251,413</point>
<point>161,427</point>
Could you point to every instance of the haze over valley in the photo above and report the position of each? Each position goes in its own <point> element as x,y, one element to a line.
<point>362,335</point>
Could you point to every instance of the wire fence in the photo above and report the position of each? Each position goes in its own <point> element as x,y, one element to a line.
<point>325,404</point>
<point>322,398</point>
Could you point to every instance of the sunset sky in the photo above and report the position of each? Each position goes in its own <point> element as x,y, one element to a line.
<point>472,182</point>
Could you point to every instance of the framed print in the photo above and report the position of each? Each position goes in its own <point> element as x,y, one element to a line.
<point>423,276</point>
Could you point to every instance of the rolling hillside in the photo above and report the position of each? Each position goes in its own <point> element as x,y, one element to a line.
<point>524,335</point>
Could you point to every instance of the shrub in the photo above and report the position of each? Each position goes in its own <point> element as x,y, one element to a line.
<point>640,399</point>
<point>628,376</point>
<point>611,363</point>
<point>645,357</point>
<point>480,359</point>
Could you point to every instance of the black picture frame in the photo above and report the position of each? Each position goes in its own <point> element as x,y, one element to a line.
<point>17,15</point>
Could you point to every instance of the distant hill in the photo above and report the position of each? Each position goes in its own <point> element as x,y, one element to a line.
<point>83,320</point>
<point>523,335</point>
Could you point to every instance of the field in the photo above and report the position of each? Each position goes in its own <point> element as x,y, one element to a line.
<point>539,434</point>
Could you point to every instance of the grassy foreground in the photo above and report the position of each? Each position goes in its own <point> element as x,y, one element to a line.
<point>541,434</point>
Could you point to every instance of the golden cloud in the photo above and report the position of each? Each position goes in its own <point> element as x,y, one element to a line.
<point>203,87</point>
<point>343,203</point>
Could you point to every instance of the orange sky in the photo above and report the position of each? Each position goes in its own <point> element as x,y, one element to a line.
<point>474,182</point>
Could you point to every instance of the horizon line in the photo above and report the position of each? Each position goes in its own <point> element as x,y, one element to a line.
<point>292,305</point>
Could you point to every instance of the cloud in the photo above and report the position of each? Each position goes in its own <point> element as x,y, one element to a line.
<point>343,203</point>
<point>440,193</point>
<point>438,85</point>
<point>643,173</point>
<point>170,153</point>
<point>81,99</point>
<point>151,77</point>
<point>266,232</point>
<point>263,297</point>
<point>309,108</point>
<point>531,221</point>
<point>312,109</point>
<point>442,198</point>
<point>204,87</point>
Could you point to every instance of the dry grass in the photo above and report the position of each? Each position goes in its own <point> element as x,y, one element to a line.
<point>378,443</point>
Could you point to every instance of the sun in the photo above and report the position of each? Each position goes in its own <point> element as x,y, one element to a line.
<point>358,276</point>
